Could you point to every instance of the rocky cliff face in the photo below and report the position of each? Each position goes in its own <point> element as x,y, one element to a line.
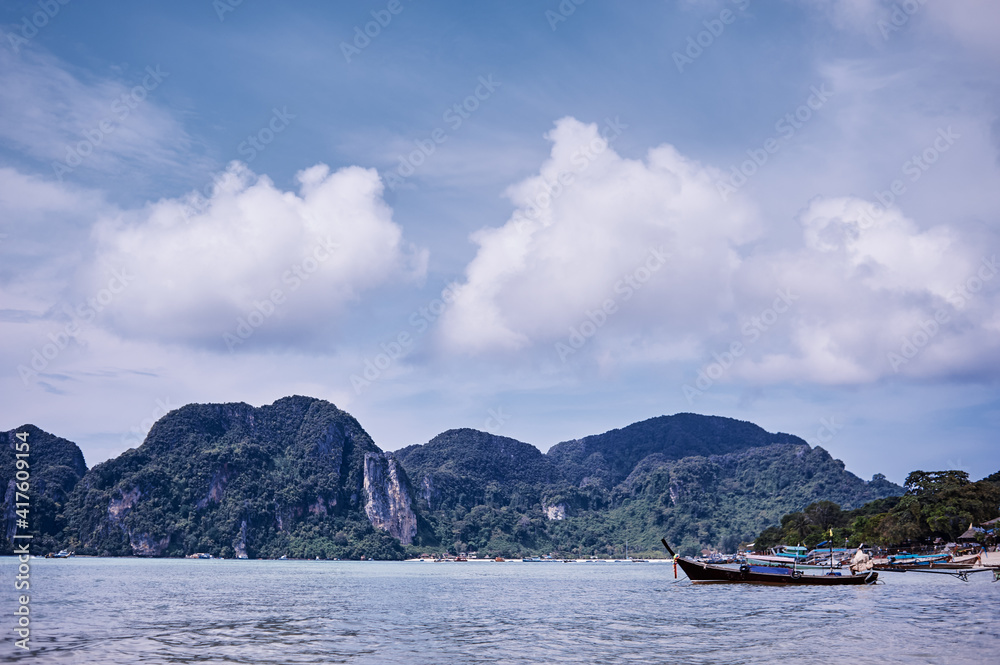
<point>232,479</point>
<point>302,478</point>
<point>388,499</point>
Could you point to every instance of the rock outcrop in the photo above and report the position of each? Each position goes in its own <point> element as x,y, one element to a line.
<point>388,500</point>
<point>235,480</point>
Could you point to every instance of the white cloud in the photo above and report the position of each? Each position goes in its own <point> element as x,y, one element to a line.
<point>581,229</point>
<point>74,123</point>
<point>877,297</point>
<point>45,233</point>
<point>191,278</point>
<point>864,281</point>
<point>973,23</point>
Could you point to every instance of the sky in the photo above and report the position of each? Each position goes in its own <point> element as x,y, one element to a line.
<point>540,219</point>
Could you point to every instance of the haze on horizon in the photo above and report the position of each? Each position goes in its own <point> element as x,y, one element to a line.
<point>543,220</point>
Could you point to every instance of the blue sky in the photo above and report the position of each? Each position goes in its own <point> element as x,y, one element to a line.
<point>541,219</point>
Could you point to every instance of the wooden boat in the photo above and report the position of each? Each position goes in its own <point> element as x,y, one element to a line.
<point>704,573</point>
<point>959,570</point>
<point>918,559</point>
<point>781,561</point>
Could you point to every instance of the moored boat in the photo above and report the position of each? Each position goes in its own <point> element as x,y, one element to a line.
<point>780,561</point>
<point>700,573</point>
<point>904,559</point>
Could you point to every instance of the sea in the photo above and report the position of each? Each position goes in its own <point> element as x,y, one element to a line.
<point>93,610</point>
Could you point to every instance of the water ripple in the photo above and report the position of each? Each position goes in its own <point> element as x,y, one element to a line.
<point>290,612</point>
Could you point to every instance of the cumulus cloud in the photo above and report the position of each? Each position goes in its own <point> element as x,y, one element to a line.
<point>652,236</point>
<point>876,297</point>
<point>193,268</point>
<point>865,293</point>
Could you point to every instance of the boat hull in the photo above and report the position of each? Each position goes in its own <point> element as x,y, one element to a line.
<point>785,563</point>
<point>706,573</point>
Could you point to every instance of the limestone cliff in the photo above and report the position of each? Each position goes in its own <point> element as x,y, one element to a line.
<point>388,499</point>
<point>288,478</point>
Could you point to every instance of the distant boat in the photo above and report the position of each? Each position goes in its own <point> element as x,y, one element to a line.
<point>789,552</point>
<point>701,573</point>
<point>532,559</point>
<point>499,559</point>
<point>62,554</point>
<point>283,557</point>
<point>904,559</point>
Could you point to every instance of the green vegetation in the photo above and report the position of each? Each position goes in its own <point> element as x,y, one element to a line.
<point>302,478</point>
<point>228,479</point>
<point>937,504</point>
<point>55,466</point>
<point>495,495</point>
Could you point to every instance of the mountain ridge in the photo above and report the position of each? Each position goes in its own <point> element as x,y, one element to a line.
<point>302,477</point>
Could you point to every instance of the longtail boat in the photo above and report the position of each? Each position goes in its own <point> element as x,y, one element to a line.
<point>904,559</point>
<point>705,573</point>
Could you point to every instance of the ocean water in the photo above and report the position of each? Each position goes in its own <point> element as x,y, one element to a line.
<point>190,611</point>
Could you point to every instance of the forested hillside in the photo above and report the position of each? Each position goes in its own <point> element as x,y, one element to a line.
<point>302,478</point>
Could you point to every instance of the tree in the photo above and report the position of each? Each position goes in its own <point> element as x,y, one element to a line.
<point>923,483</point>
<point>825,515</point>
